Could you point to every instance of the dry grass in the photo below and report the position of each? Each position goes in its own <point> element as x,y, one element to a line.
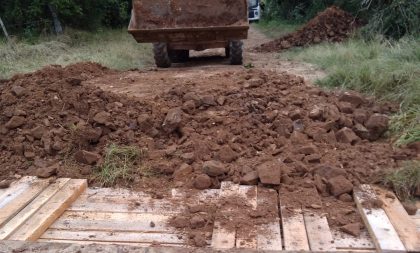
<point>404,181</point>
<point>112,48</point>
<point>120,163</point>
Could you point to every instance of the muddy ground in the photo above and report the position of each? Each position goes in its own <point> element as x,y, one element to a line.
<point>201,123</point>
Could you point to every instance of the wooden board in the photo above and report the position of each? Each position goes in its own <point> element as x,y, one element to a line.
<point>224,238</point>
<point>344,241</point>
<point>18,196</point>
<point>114,237</point>
<point>33,228</point>
<point>380,228</point>
<point>31,208</point>
<point>157,207</point>
<point>105,243</point>
<point>318,231</point>
<point>113,222</point>
<point>294,231</point>
<point>269,235</point>
<point>401,221</point>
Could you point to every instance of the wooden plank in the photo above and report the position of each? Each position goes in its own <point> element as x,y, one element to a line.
<point>349,242</point>
<point>401,221</point>
<point>377,222</point>
<point>15,190</point>
<point>137,244</point>
<point>293,225</point>
<point>116,222</point>
<point>158,207</point>
<point>103,236</point>
<point>19,197</point>
<point>39,222</point>
<point>31,208</point>
<point>269,235</point>
<point>224,238</point>
<point>318,231</point>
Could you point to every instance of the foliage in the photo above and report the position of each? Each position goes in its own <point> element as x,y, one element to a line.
<point>33,16</point>
<point>386,69</point>
<point>393,19</point>
<point>404,181</point>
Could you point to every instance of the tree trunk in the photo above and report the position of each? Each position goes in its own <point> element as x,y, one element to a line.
<point>58,29</point>
<point>4,29</point>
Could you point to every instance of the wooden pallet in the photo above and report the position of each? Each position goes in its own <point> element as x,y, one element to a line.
<point>66,212</point>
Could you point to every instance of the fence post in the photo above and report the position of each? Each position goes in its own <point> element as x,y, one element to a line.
<point>58,29</point>
<point>4,29</point>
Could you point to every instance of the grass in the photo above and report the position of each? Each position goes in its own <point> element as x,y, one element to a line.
<point>387,70</point>
<point>120,163</point>
<point>276,28</point>
<point>112,48</point>
<point>404,181</point>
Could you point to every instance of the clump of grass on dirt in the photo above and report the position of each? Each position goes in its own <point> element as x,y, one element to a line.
<point>404,181</point>
<point>120,163</point>
<point>276,28</point>
<point>388,70</point>
<point>112,48</point>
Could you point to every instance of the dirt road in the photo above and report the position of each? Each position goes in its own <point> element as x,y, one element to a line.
<point>203,65</point>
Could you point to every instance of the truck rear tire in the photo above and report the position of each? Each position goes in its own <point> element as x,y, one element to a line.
<point>235,52</point>
<point>161,53</point>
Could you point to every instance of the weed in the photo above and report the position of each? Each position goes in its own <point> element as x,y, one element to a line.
<point>112,48</point>
<point>404,181</point>
<point>119,163</point>
<point>386,69</point>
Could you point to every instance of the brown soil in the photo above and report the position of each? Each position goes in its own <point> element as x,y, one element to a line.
<point>333,25</point>
<point>232,120</point>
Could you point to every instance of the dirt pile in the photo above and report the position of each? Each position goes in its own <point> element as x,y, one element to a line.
<point>260,128</point>
<point>333,25</point>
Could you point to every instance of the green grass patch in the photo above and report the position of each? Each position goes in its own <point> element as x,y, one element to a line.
<point>404,181</point>
<point>120,163</point>
<point>112,48</point>
<point>277,28</point>
<point>387,70</point>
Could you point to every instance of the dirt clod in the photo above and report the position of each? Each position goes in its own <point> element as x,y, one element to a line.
<point>352,229</point>
<point>202,182</point>
<point>214,168</point>
<point>410,207</point>
<point>269,172</point>
<point>172,120</point>
<point>15,122</point>
<point>5,184</point>
<point>47,172</point>
<point>339,185</point>
<point>346,135</point>
<point>86,157</point>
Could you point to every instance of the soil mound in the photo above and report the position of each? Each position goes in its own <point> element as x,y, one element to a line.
<point>333,25</point>
<point>263,128</point>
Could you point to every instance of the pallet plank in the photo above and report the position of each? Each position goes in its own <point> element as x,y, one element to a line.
<point>31,208</point>
<point>269,235</point>
<point>47,214</point>
<point>158,207</point>
<point>137,244</point>
<point>112,237</point>
<point>377,222</point>
<point>223,238</point>
<point>401,221</point>
<point>18,197</point>
<point>343,241</point>
<point>226,238</point>
<point>113,222</point>
<point>294,230</point>
<point>319,233</point>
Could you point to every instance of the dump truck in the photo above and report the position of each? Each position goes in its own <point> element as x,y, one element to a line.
<point>177,26</point>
